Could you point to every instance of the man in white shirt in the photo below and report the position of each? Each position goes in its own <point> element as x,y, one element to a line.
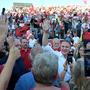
<point>64,72</point>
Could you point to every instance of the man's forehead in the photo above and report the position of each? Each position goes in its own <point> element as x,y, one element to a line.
<point>65,43</point>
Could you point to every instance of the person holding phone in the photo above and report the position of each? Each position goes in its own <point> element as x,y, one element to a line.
<point>64,69</point>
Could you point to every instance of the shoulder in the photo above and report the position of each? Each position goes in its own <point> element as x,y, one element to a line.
<point>25,82</point>
<point>60,56</point>
<point>47,48</point>
<point>27,75</point>
<point>19,66</point>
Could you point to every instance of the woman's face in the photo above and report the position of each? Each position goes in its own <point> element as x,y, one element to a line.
<point>81,51</point>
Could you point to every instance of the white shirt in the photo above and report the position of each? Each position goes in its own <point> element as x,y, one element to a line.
<point>13,26</point>
<point>48,48</point>
<point>61,61</point>
<point>76,39</point>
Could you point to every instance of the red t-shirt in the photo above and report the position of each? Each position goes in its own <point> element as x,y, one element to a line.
<point>86,35</point>
<point>26,58</point>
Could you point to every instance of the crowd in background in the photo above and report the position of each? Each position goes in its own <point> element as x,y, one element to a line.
<point>62,19</point>
<point>51,42</point>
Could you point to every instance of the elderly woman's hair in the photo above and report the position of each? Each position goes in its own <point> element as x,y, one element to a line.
<point>45,68</point>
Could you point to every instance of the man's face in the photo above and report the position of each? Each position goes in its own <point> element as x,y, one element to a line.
<point>65,48</point>
<point>56,44</point>
<point>24,43</point>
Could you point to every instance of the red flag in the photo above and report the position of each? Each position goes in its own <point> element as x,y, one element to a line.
<point>85,1</point>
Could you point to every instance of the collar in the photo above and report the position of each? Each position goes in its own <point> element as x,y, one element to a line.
<point>22,49</point>
<point>61,55</point>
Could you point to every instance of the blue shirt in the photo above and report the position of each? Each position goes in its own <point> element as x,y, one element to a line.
<point>26,82</point>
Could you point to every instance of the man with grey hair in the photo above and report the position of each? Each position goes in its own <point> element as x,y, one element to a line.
<point>45,68</point>
<point>43,74</point>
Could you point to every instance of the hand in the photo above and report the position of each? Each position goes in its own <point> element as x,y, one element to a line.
<point>65,66</point>
<point>14,52</point>
<point>46,25</point>
<point>10,41</point>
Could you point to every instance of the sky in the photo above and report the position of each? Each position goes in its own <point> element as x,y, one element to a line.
<point>8,3</point>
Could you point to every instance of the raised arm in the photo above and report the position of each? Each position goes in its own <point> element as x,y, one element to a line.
<point>5,75</point>
<point>45,26</point>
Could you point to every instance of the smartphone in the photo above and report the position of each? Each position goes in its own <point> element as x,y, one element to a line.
<point>69,57</point>
<point>87,62</point>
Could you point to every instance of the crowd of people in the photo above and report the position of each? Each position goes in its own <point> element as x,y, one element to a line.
<point>44,48</point>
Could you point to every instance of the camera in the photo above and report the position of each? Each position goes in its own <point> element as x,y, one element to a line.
<point>69,57</point>
<point>87,62</point>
